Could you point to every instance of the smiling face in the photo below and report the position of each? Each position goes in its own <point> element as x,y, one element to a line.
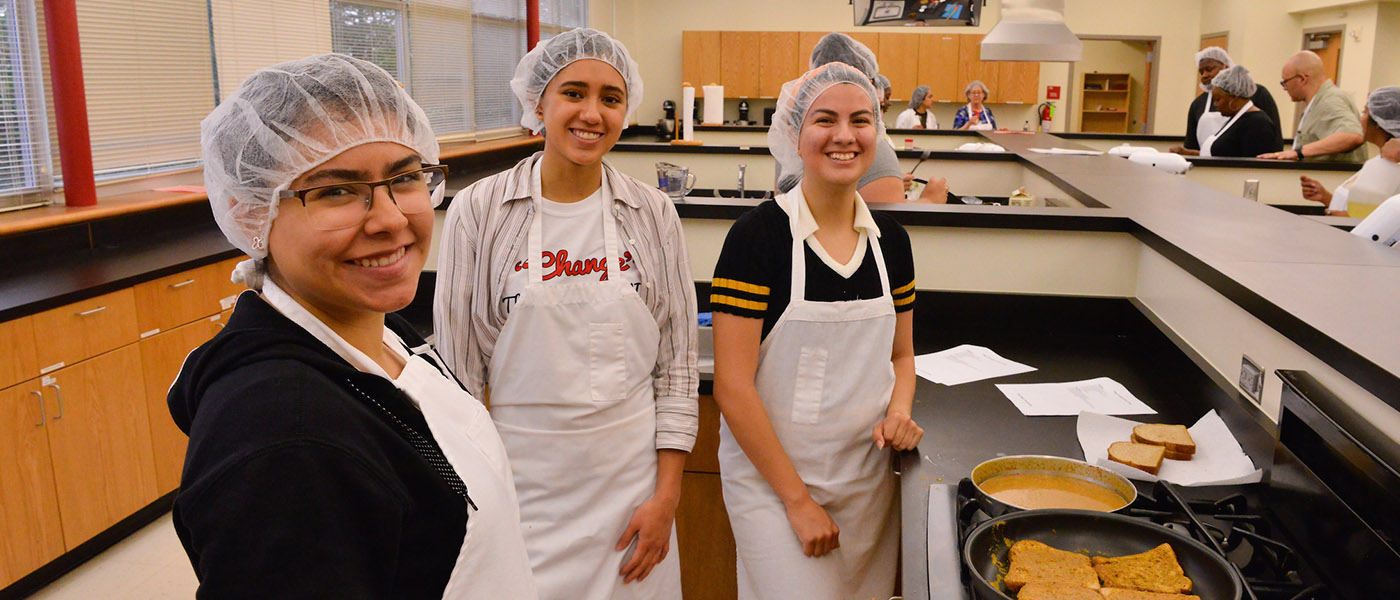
<point>1208,69</point>
<point>371,267</point>
<point>837,142</point>
<point>583,108</point>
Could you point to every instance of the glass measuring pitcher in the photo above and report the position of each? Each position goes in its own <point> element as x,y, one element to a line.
<point>675,180</point>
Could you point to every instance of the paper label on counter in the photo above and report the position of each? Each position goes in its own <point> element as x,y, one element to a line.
<point>146,334</point>
<point>1102,395</point>
<point>965,364</point>
<point>51,368</point>
<point>48,380</point>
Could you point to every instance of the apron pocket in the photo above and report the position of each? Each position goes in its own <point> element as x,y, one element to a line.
<point>607,365</point>
<point>807,391</point>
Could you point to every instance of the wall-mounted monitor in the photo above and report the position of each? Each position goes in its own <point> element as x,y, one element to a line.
<point>928,13</point>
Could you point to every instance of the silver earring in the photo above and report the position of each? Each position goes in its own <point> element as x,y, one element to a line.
<point>258,243</point>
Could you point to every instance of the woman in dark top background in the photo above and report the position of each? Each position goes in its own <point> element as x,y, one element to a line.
<point>1209,63</point>
<point>1248,131</point>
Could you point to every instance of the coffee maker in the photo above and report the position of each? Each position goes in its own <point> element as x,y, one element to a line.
<point>743,112</point>
<point>666,126</point>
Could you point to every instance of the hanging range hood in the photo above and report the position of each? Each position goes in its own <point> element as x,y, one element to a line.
<point>1032,31</point>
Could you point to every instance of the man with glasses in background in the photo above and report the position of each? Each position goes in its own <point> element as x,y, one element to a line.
<point>1331,126</point>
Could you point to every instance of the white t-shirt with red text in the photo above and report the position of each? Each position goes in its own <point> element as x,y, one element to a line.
<point>572,249</point>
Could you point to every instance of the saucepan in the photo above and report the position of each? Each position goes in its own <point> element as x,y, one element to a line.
<point>1046,482</point>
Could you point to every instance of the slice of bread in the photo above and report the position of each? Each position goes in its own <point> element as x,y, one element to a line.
<point>1141,456</point>
<point>1175,438</point>
<point>1034,562</point>
<point>1122,594</point>
<point>1156,570</point>
<point>1056,591</point>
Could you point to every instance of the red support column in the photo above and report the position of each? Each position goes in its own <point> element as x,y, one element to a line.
<point>532,24</point>
<point>70,102</point>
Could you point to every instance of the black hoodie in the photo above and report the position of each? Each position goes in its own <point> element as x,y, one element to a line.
<point>304,476</point>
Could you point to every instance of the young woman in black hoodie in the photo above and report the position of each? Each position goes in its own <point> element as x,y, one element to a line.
<point>331,452</point>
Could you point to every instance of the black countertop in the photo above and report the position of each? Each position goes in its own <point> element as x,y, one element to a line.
<point>1066,339</point>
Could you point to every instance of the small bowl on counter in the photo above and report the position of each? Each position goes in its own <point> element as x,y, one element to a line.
<point>1029,482</point>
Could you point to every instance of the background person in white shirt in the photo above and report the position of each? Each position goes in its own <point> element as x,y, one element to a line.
<point>564,289</point>
<point>1379,177</point>
<point>919,115</point>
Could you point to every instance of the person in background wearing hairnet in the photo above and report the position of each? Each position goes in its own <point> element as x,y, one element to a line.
<point>1331,127</point>
<point>331,455</point>
<point>1379,177</point>
<point>813,296</point>
<point>885,181</point>
<point>1202,119</point>
<point>1247,131</point>
<point>919,115</point>
<point>882,85</point>
<point>975,115</point>
<point>564,289</point>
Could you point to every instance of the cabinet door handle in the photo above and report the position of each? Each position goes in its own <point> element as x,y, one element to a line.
<point>43,410</point>
<point>176,286</point>
<point>92,312</point>
<point>59,392</point>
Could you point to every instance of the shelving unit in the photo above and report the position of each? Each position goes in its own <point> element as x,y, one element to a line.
<point>1105,103</point>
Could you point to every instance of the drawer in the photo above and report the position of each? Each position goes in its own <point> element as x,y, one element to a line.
<point>68,334</point>
<point>175,300</point>
<point>17,338</point>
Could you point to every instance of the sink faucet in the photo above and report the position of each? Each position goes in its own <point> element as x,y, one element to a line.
<point>741,179</point>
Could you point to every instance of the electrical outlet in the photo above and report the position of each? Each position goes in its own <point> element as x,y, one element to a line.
<point>1251,379</point>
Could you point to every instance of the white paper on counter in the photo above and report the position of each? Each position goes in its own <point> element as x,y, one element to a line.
<point>1067,151</point>
<point>1102,395</point>
<point>1219,460</point>
<point>964,364</point>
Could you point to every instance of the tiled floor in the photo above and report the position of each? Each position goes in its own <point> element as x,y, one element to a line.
<point>149,565</point>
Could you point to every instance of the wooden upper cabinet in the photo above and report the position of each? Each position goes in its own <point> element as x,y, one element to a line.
<point>871,39</point>
<point>702,58</point>
<point>972,68</point>
<point>899,61</point>
<point>778,51</point>
<point>161,358</point>
<point>30,532</point>
<point>938,67</point>
<point>100,440</point>
<point>739,71</point>
<point>20,363</point>
<point>806,40</point>
<point>1017,83</point>
<point>68,334</point>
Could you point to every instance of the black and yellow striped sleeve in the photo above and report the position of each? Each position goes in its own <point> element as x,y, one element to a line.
<point>742,282</point>
<point>903,296</point>
<point>899,262</point>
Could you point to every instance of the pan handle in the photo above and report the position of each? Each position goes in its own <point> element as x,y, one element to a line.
<point>1169,489</point>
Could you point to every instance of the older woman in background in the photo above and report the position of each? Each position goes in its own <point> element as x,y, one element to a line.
<point>975,115</point>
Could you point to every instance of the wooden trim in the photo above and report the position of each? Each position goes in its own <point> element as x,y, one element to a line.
<point>461,149</point>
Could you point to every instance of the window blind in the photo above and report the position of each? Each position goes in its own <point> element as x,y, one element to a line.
<point>498,43</point>
<point>252,34</point>
<point>440,50</point>
<point>25,155</point>
<point>370,33</point>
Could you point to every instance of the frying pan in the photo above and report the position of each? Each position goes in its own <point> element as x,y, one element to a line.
<point>986,551</point>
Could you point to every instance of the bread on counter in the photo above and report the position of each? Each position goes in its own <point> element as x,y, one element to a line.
<point>1156,570</point>
<point>1035,562</point>
<point>1176,439</point>
<point>1141,456</point>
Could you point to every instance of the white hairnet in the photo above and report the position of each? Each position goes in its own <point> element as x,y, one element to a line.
<point>976,83</point>
<point>286,119</point>
<point>1235,81</point>
<point>842,48</point>
<point>1384,108</point>
<point>795,99</point>
<point>918,96</point>
<point>549,57</point>
<point>882,83</point>
<point>1215,53</point>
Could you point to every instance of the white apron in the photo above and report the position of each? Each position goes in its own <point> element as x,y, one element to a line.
<point>984,125</point>
<point>825,378</point>
<point>1210,122</point>
<point>492,562</point>
<point>571,394</point>
<point>1210,141</point>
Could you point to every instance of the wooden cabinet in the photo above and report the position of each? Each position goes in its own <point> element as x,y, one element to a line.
<point>20,363</point>
<point>703,535</point>
<point>779,61</point>
<point>100,440</point>
<point>702,57</point>
<point>161,358</point>
<point>32,534</point>
<point>71,333</point>
<point>1017,83</point>
<point>1104,103</point>
<point>938,67</point>
<point>972,68</point>
<point>171,301</point>
<point>899,61</point>
<point>739,73</point>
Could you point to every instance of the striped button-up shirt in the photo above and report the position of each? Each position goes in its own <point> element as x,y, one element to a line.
<point>482,237</point>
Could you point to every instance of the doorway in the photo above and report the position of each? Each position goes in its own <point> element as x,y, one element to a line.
<point>1326,42</point>
<point>1119,74</point>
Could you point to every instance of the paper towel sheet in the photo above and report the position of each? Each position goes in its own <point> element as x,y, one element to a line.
<point>714,105</point>
<point>1219,460</point>
<point>688,114</point>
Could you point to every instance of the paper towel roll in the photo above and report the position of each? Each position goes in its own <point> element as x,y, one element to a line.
<point>688,114</point>
<point>714,105</point>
